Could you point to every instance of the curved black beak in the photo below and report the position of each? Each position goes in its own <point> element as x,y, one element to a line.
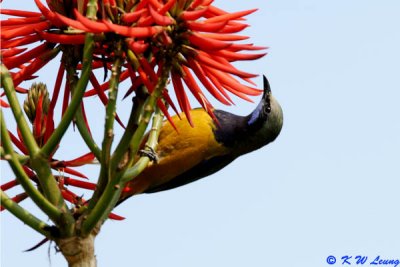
<point>266,96</point>
<point>267,87</point>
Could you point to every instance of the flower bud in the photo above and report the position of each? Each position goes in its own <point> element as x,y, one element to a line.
<point>35,93</point>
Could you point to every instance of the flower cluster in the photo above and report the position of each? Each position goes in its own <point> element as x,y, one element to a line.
<point>39,110</point>
<point>196,38</point>
<point>186,40</point>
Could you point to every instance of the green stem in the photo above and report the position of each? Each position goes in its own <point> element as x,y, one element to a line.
<point>39,162</point>
<point>48,183</point>
<point>135,170</point>
<point>44,204</point>
<point>152,142</point>
<point>79,118</point>
<point>84,132</point>
<point>103,207</point>
<point>112,192</point>
<point>123,145</point>
<point>106,171</point>
<point>148,108</point>
<point>76,99</point>
<point>21,158</point>
<point>26,133</point>
<point>25,216</point>
<point>111,110</point>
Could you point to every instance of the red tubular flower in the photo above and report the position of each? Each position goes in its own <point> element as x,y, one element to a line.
<point>40,110</point>
<point>193,39</point>
<point>191,35</point>
<point>4,104</point>
<point>61,166</point>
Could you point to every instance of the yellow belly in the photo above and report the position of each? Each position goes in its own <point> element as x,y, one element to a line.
<point>180,150</point>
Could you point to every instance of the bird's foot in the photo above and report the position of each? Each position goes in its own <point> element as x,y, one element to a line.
<point>150,153</point>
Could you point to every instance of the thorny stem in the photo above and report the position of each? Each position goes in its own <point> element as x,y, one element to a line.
<point>123,144</point>
<point>148,110</point>
<point>106,171</point>
<point>111,111</point>
<point>37,160</point>
<point>27,136</point>
<point>86,136</point>
<point>48,208</point>
<point>152,142</point>
<point>79,119</point>
<point>24,215</point>
<point>76,99</point>
<point>113,189</point>
<point>48,183</point>
<point>21,158</point>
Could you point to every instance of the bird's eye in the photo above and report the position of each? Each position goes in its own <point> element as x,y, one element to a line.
<point>267,109</point>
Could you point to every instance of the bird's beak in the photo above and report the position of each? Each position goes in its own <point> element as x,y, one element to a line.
<point>266,98</point>
<point>267,87</point>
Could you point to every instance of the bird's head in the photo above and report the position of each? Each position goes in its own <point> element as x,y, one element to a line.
<point>248,133</point>
<point>267,118</point>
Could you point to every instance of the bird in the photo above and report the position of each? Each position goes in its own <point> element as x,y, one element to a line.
<point>187,154</point>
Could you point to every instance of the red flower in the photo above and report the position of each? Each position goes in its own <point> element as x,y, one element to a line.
<point>39,111</point>
<point>195,37</point>
<point>196,40</point>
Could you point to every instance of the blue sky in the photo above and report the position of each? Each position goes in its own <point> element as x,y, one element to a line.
<point>329,185</point>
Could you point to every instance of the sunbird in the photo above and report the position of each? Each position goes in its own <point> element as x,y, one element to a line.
<point>191,153</point>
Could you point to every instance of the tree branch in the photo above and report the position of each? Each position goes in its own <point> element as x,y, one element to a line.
<point>79,119</point>
<point>25,216</point>
<point>21,158</point>
<point>76,99</point>
<point>102,208</point>
<point>26,133</point>
<point>110,113</point>
<point>152,142</point>
<point>44,204</point>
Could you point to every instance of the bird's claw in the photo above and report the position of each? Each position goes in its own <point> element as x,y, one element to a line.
<point>150,153</point>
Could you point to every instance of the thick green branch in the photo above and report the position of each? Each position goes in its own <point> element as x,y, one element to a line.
<point>123,145</point>
<point>25,216</point>
<point>111,110</point>
<point>48,208</point>
<point>106,171</point>
<point>151,143</point>
<point>148,109</point>
<point>21,158</point>
<point>48,183</point>
<point>79,118</point>
<point>26,133</point>
<point>86,136</point>
<point>76,99</point>
<point>38,161</point>
<point>112,192</point>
